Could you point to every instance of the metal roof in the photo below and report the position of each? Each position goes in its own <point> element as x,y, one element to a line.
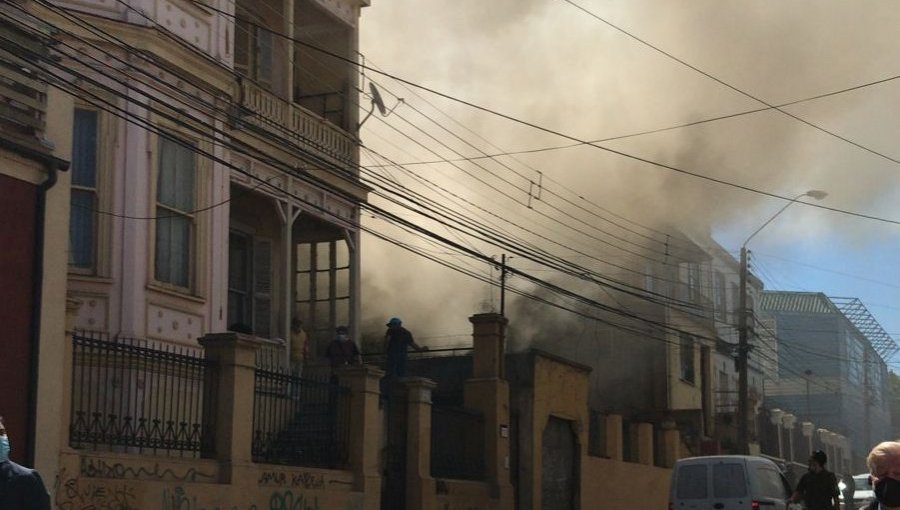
<point>802,302</point>
<point>859,315</point>
<point>851,308</point>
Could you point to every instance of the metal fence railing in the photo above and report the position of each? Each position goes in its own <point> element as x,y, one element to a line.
<point>457,443</point>
<point>141,396</point>
<point>300,421</point>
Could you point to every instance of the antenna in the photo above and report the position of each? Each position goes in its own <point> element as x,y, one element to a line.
<point>378,102</point>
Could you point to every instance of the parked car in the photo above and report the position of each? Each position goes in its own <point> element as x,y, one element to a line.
<point>728,482</point>
<point>864,493</point>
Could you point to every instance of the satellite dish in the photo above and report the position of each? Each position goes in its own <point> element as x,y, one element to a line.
<point>376,99</point>
<point>377,102</point>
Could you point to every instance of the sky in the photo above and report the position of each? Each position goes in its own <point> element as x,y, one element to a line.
<point>556,66</point>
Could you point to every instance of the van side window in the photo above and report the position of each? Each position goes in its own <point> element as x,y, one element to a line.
<point>691,482</point>
<point>770,484</point>
<point>729,481</point>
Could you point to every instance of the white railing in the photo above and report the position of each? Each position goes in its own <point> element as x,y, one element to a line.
<point>310,131</point>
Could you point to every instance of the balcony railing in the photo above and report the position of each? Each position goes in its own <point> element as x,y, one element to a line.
<point>300,421</point>
<point>310,132</point>
<point>134,395</point>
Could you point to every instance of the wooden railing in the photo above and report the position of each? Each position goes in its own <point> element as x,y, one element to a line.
<point>290,120</point>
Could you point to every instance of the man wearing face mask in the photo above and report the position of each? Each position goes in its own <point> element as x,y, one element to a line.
<point>20,488</point>
<point>818,488</point>
<point>884,467</point>
<point>342,351</point>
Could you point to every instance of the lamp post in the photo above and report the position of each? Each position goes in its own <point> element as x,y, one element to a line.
<point>743,347</point>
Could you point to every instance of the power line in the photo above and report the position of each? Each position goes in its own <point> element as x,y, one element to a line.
<point>570,137</point>
<point>129,117</point>
<point>728,85</point>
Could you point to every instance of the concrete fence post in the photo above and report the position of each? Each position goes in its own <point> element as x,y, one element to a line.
<point>614,437</point>
<point>421,491</point>
<point>230,381</point>
<point>488,392</point>
<point>365,430</point>
<point>644,443</point>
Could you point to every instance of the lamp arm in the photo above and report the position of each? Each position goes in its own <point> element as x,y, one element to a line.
<point>790,203</point>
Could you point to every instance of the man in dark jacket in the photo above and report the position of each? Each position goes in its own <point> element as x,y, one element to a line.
<point>397,342</point>
<point>20,488</point>
<point>818,488</point>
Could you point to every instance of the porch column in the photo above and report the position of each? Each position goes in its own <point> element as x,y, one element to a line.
<point>365,431</point>
<point>230,383</point>
<point>420,485</point>
<point>288,8</point>
<point>288,214</point>
<point>355,276</point>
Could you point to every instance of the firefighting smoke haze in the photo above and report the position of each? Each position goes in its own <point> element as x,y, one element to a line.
<point>556,66</point>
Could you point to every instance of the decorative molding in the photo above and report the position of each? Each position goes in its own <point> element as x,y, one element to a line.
<point>174,325</point>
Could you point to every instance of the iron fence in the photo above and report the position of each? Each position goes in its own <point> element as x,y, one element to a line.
<point>140,396</point>
<point>457,443</point>
<point>300,421</point>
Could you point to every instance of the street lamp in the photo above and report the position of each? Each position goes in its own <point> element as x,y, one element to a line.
<point>743,347</point>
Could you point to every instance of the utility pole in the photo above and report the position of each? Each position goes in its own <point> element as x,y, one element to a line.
<point>503,285</point>
<point>743,348</point>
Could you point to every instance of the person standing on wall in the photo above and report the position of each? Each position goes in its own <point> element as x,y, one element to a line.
<point>20,488</point>
<point>397,341</point>
<point>342,351</point>
<point>299,347</point>
<point>818,488</point>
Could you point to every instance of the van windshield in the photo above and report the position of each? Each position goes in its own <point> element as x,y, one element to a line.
<point>691,482</point>
<point>729,481</point>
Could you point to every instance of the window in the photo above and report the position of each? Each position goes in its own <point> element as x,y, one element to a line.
<point>323,286</point>
<point>250,283</point>
<point>83,215</point>
<point>721,298</point>
<point>691,482</point>
<point>770,483</point>
<point>175,212</point>
<point>253,50</point>
<point>729,481</point>
<point>687,357</point>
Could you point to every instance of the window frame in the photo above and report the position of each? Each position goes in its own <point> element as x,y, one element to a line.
<point>198,259</point>
<point>161,209</point>
<point>686,340</point>
<point>105,140</point>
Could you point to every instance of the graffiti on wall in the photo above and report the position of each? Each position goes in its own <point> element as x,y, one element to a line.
<point>177,498</point>
<point>75,494</point>
<point>302,479</point>
<point>100,468</point>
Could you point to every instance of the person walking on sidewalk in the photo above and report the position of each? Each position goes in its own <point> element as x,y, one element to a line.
<point>818,488</point>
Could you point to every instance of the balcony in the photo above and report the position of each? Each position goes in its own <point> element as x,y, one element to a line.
<point>310,132</point>
<point>294,90</point>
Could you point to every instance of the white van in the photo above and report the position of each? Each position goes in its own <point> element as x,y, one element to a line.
<point>728,482</point>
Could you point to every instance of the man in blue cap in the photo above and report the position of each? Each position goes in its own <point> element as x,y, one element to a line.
<point>397,341</point>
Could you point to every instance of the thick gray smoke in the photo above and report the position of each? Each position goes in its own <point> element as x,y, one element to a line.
<point>548,63</point>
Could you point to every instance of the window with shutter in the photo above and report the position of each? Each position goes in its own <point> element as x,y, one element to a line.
<point>262,288</point>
